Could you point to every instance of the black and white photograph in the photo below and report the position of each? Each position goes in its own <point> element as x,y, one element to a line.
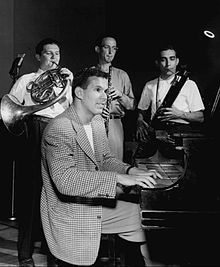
<point>109,114</point>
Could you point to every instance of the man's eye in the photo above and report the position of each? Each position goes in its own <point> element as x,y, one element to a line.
<point>115,48</point>
<point>100,90</point>
<point>47,53</point>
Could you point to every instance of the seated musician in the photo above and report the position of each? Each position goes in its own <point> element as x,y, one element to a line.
<point>81,176</point>
<point>177,110</point>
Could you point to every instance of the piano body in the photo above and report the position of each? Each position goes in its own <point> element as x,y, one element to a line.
<point>182,216</point>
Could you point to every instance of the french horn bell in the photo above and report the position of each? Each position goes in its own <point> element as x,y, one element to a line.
<point>13,113</point>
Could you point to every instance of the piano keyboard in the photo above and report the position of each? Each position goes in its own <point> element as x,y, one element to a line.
<point>170,169</point>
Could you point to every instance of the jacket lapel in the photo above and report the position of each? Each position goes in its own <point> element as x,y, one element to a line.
<point>81,136</point>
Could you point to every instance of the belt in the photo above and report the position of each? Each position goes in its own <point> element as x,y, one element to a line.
<point>112,116</point>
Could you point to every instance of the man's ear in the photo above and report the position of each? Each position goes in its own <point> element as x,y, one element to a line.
<point>177,61</point>
<point>79,92</point>
<point>97,49</point>
<point>156,63</point>
<point>37,57</point>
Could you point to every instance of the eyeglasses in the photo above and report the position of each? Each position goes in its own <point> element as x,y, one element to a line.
<point>108,47</point>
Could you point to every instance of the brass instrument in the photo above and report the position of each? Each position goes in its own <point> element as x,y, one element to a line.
<point>109,98</point>
<point>41,89</point>
<point>13,112</point>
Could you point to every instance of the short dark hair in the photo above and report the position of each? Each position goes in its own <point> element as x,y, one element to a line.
<point>163,47</point>
<point>81,77</point>
<point>101,37</point>
<point>40,46</point>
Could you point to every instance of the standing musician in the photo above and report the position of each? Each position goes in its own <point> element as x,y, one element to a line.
<point>120,97</point>
<point>187,108</point>
<point>30,181</point>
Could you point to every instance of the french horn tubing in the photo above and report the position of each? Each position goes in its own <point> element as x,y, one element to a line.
<point>13,113</point>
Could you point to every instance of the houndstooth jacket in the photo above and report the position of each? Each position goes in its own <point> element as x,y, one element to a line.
<point>75,180</point>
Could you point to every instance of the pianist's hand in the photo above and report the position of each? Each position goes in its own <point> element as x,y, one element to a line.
<point>136,176</point>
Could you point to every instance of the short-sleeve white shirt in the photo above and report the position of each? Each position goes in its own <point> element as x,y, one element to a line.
<point>188,99</point>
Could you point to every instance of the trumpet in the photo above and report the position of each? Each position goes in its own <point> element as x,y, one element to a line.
<point>13,113</point>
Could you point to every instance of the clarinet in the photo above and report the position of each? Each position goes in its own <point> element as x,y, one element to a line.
<point>109,99</point>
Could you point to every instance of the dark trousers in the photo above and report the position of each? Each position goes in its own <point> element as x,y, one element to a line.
<point>30,184</point>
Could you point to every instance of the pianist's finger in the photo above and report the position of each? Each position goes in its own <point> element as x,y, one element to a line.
<point>155,174</point>
<point>149,182</point>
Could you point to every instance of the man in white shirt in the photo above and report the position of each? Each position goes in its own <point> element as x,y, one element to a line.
<point>187,108</point>
<point>30,181</point>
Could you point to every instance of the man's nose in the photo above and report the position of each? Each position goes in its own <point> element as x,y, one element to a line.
<point>53,56</point>
<point>168,63</point>
<point>104,95</point>
<point>110,50</point>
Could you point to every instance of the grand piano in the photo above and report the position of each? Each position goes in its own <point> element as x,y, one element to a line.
<point>181,215</point>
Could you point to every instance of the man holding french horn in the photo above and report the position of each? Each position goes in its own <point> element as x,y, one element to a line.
<point>45,94</point>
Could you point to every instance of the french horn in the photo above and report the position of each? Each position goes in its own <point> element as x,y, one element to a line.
<point>13,113</point>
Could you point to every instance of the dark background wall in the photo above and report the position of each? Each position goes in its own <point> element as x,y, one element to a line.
<point>74,23</point>
<point>142,25</point>
<point>138,25</point>
<point>6,42</point>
